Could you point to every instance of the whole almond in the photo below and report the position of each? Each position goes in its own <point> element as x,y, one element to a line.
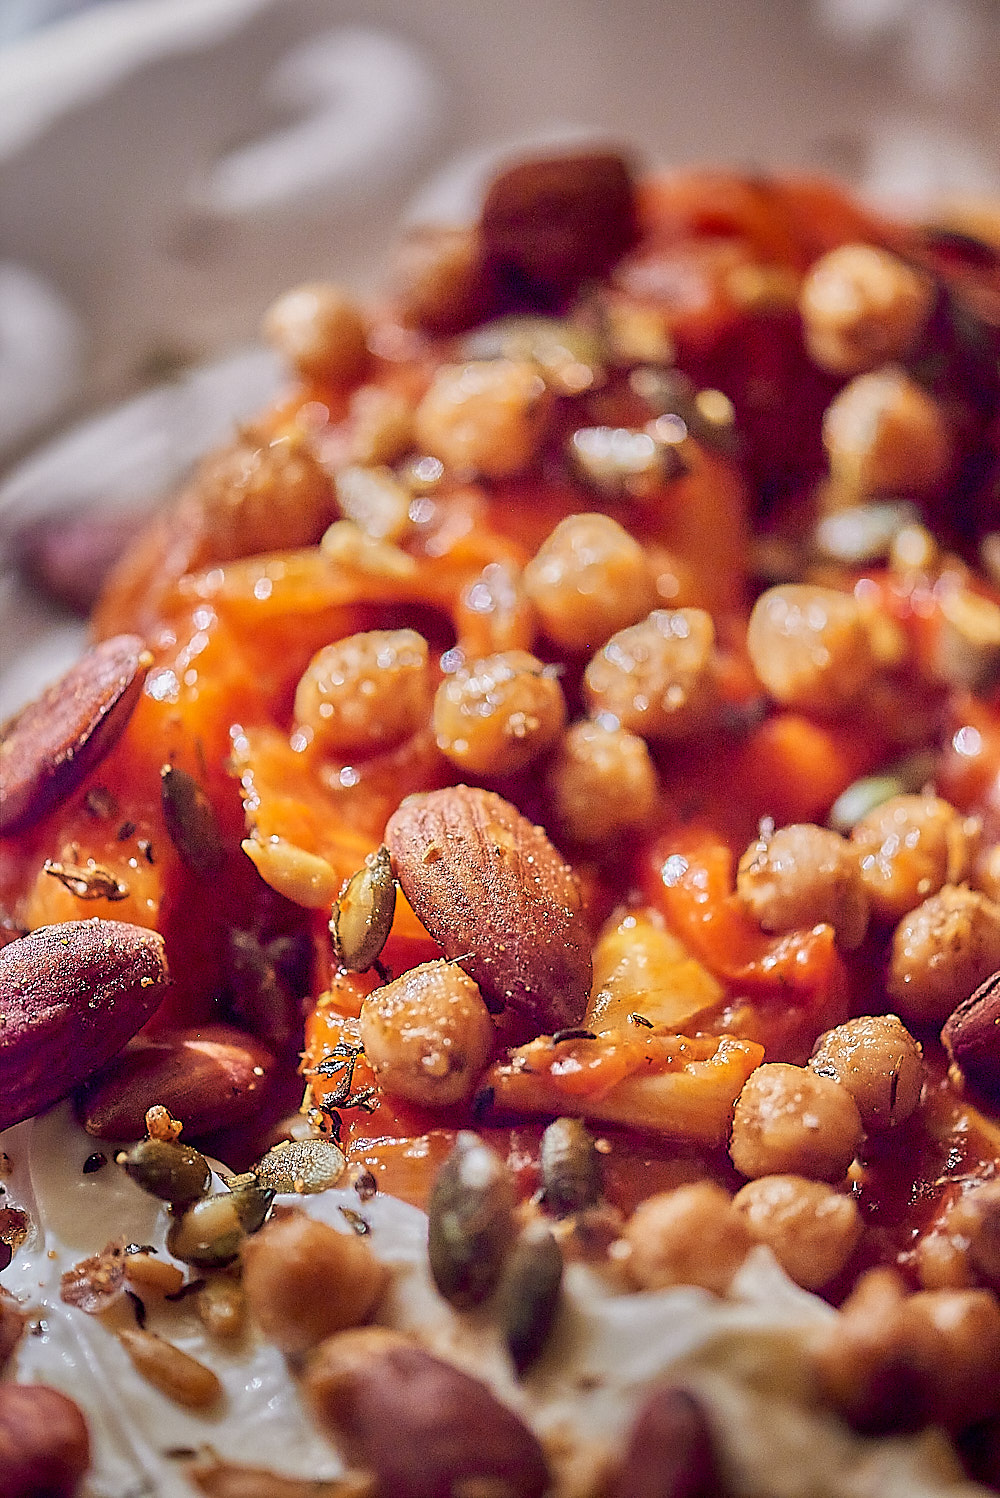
<point>549,224</point>
<point>425,1428</point>
<point>972,1037</point>
<point>668,1451</point>
<point>70,997</point>
<point>498,898</point>
<point>44,1442</point>
<point>208,1078</point>
<point>52,744</point>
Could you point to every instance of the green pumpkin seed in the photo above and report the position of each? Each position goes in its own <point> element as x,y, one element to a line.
<point>191,822</point>
<point>570,1166</point>
<point>529,1294</point>
<point>209,1233</point>
<point>304,1166</point>
<point>362,917</point>
<point>175,1173</point>
<point>470,1222</point>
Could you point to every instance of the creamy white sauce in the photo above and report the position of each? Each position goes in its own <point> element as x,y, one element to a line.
<point>745,1355</point>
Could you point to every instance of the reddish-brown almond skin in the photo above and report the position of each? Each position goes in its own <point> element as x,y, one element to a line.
<point>51,745</point>
<point>70,997</point>
<point>548,225</point>
<point>424,1428</point>
<point>972,1037</point>
<point>496,895</point>
<point>44,1443</point>
<point>208,1078</point>
<point>668,1453</point>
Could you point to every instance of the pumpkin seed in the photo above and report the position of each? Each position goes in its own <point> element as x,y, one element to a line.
<point>174,1172</point>
<point>210,1232</point>
<point>304,1166</point>
<point>191,822</point>
<point>362,917</point>
<point>570,1166</point>
<point>529,1294</point>
<point>470,1222</point>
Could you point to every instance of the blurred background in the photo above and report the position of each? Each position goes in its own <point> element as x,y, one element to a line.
<point>168,166</point>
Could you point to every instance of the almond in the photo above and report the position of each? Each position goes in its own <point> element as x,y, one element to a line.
<point>498,898</point>
<point>668,1451</point>
<point>972,1037</point>
<point>44,1443</point>
<point>548,225</point>
<point>207,1078</point>
<point>70,997</point>
<point>52,744</point>
<point>422,1426</point>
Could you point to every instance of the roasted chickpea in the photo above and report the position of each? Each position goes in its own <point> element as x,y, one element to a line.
<point>587,580</point>
<point>486,417</point>
<point>909,847</point>
<point>440,281</point>
<point>892,1359</point>
<point>601,782</point>
<point>811,1229</point>
<point>811,647</point>
<point>861,307</point>
<point>428,1035</point>
<point>261,493</point>
<point>879,1063</point>
<point>657,677</point>
<point>975,1220</point>
<point>366,692</point>
<point>800,876</point>
<point>788,1121</point>
<point>320,329</point>
<point>375,500</point>
<point>885,435</point>
<point>381,426</point>
<point>942,951</point>
<point>690,1236</point>
<point>494,716</point>
<point>304,1280</point>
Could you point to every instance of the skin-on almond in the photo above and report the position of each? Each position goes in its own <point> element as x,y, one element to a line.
<point>668,1451</point>
<point>44,1442</point>
<point>496,896</point>
<point>422,1426</point>
<point>70,997</point>
<point>208,1078</point>
<point>972,1037</point>
<point>48,749</point>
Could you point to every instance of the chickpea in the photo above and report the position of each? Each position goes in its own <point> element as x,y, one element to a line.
<point>657,677</point>
<point>319,328</point>
<point>811,647</point>
<point>260,494</point>
<point>894,1359</point>
<point>486,417</point>
<point>885,435</point>
<point>802,876</point>
<point>942,951</point>
<point>879,1063</point>
<point>588,579</point>
<point>440,281</point>
<point>375,500</point>
<point>366,692</point>
<point>689,1236</point>
<point>811,1229</point>
<point>975,1219</point>
<point>496,715</point>
<point>601,782</point>
<point>428,1035</point>
<point>304,1280</point>
<point>861,307</point>
<point>789,1121</point>
<point>381,429</point>
<point>909,847</point>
